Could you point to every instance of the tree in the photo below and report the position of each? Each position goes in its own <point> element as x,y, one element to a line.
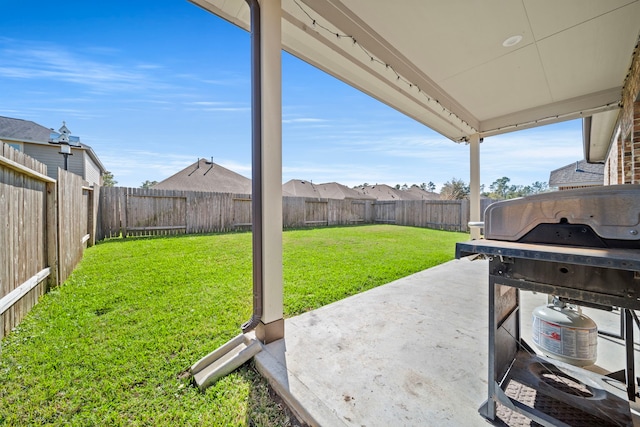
<point>539,187</point>
<point>148,184</point>
<point>404,187</point>
<point>500,188</point>
<point>107,180</point>
<point>456,189</point>
<point>431,187</point>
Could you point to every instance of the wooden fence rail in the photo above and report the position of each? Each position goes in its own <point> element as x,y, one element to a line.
<point>75,221</point>
<point>141,212</point>
<point>136,212</point>
<point>27,209</point>
<point>44,226</point>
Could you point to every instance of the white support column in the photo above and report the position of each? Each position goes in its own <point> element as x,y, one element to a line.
<point>474,184</point>
<point>271,327</point>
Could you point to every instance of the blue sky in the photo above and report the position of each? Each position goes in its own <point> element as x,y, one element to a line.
<point>152,86</point>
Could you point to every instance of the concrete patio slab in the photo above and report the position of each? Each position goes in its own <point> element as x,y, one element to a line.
<point>409,353</point>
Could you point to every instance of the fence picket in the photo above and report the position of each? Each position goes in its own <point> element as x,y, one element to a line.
<point>162,212</point>
<point>30,217</point>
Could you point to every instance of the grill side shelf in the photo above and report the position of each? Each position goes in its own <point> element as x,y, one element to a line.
<point>620,259</point>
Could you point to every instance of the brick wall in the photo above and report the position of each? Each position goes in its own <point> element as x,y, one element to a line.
<point>636,139</point>
<point>612,171</point>
<point>625,150</point>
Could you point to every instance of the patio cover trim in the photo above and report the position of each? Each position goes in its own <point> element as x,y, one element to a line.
<point>365,60</point>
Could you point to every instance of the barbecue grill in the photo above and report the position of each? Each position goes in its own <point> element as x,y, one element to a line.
<point>582,246</point>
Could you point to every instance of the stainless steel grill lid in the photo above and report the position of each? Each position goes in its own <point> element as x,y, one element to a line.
<point>606,216</point>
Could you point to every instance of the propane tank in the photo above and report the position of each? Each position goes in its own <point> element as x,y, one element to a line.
<point>565,334</point>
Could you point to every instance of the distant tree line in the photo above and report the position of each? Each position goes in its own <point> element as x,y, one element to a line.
<point>498,190</point>
<point>430,187</point>
<point>456,189</point>
<point>109,181</point>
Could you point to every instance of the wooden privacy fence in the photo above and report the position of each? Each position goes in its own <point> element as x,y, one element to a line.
<point>140,212</point>
<point>34,212</point>
<point>77,206</point>
<point>385,211</point>
<point>135,212</point>
<point>309,212</point>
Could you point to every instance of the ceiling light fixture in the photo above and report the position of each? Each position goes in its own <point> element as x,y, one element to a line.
<point>512,41</point>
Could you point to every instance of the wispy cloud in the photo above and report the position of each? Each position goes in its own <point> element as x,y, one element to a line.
<point>304,120</point>
<point>207,103</point>
<point>57,110</point>
<point>217,106</point>
<point>155,166</point>
<point>149,66</point>
<point>229,80</point>
<point>228,109</point>
<point>31,60</point>
<point>241,168</point>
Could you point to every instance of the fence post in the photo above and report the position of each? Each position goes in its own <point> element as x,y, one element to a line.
<point>52,234</point>
<point>61,257</point>
<point>123,212</point>
<point>91,216</point>
<point>465,215</point>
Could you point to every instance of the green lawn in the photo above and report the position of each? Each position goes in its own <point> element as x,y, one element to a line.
<point>111,346</point>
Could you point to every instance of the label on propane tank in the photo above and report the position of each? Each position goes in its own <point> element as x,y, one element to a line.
<point>576,343</point>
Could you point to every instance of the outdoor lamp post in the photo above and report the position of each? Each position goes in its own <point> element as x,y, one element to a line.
<point>65,150</point>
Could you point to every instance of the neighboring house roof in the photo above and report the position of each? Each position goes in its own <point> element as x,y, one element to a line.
<point>578,174</point>
<point>384,192</point>
<point>421,194</point>
<point>300,188</point>
<point>333,190</point>
<point>23,130</point>
<point>20,130</point>
<point>204,175</point>
<point>329,190</point>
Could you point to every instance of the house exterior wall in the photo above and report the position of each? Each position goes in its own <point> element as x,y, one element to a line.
<point>50,156</point>
<point>91,171</point>
<point>623,161</point>
<point>573,187</point>
<point>612,170</point>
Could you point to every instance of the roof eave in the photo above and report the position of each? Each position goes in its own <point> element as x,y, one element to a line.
<point>597,135</point>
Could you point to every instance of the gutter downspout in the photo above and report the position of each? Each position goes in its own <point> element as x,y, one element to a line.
<point>256,166</point>
<point>586,138</point>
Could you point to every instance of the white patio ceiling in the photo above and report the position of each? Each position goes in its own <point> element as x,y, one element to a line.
<point>444,64</point>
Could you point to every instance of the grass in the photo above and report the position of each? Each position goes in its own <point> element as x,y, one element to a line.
<point>112,345</point>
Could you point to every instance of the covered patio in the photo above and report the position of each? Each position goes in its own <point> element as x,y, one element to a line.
<point>410,353</point>
<point>468,70</point>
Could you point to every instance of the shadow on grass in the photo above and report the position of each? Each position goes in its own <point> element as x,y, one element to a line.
<point>121,239</point>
